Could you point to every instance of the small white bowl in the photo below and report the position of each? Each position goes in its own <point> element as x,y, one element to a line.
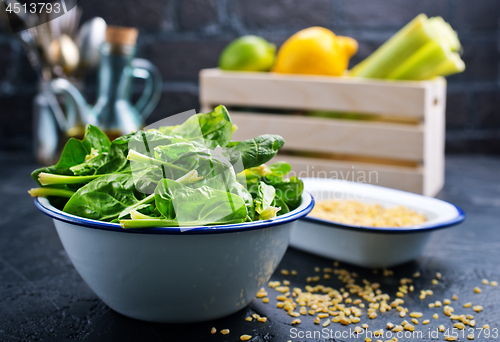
<point>369,246</point>
<point>165,275</point>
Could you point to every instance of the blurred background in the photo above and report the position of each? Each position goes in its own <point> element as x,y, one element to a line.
<point>181,37</point>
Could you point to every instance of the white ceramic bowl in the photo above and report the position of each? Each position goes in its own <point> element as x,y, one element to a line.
<point>368,246</point>
<point>165,275</point>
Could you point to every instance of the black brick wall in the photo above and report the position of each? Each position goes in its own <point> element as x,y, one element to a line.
<point>183,36</point>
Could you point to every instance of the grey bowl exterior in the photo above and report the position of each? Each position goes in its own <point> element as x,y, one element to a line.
<point>165,275</point>
<point>175,278</point>
<point>361,248</point>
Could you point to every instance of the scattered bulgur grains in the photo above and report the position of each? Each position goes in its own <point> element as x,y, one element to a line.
<point>438,276</point>
<point>265,300</point>
<point>296,321</point>
<point>402,313</point>
<point>344,321</point>
<point>485,282</point>
<point>435,316</point>
<point>317,320</point>
<point>450,338</point>
<point>470,336</point>
<point>213,330</point>
<point>367,339</point>
<point>438,304</point>
<point>365,326</point>
<point>262,293</point>
<point>294,273</point>
<point>224,331</point>
<point>415,321</point>
<point>262,319</point>
<point>441,328</point>
<point>477,308</point>
<point>249,319</point>
<point>486,326</point>
<point>435,282</point>
<point>326,323</point>
<point>397,328</point>
<point>446,302</point>
<point>416,314</point>
<point>460,326</point>
<point>494,283</point>
<point>454,297</point>
<point>245,337</point>
<point>409,327</point>
<point>416,275</point>
<point>426,321</point>
<point>285,272</point>
<point>431,305</point>
<point>477,290</point>
<point>358,330</point>
<point>390,326</point>
<point>286,282</point>
<point>467,305</point>
<point>472,323</point>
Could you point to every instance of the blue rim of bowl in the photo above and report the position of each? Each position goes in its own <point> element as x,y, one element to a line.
<point>229,228</point>
<point>387,230</point>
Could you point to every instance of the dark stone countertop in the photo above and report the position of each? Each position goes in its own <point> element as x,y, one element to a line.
<point>42,298</point>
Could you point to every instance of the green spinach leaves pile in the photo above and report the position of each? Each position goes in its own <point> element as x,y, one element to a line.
<point>185,175</point>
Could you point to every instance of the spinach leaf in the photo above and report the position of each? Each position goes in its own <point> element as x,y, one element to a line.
<point>77,155</point>
<point>163,199</point>
<point>243,193</point>
<point>172,152</point>
<point>264,200</point>
<point>278,202</point>
<point>211,129</point>
<point>202,205</point>
<point>73,154</point>
<point>290,191</point>
<point>253,152</point>
<point>95,139</point>
<point>271,174</point>
<point>104,198</point>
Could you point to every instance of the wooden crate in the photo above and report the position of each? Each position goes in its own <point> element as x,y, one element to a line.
<point>401,146</point>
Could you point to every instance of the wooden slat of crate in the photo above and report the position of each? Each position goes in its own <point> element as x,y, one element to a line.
<point>362,138</point>
<point>403,178</point>
<point>434,139</point>
<point>314,93</point>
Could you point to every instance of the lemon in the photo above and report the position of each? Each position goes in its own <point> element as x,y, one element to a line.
<point>248,53</point>
<point>315,51</point>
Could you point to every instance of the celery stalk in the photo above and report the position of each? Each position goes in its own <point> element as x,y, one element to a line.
<point>423,49</point>
<point>444,30</point>
<point>396,50</point>
<point>423,64</point>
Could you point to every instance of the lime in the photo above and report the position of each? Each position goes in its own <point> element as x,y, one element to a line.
<point>248,53</point>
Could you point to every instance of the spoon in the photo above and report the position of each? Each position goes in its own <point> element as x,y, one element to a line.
<point>92,34</point>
